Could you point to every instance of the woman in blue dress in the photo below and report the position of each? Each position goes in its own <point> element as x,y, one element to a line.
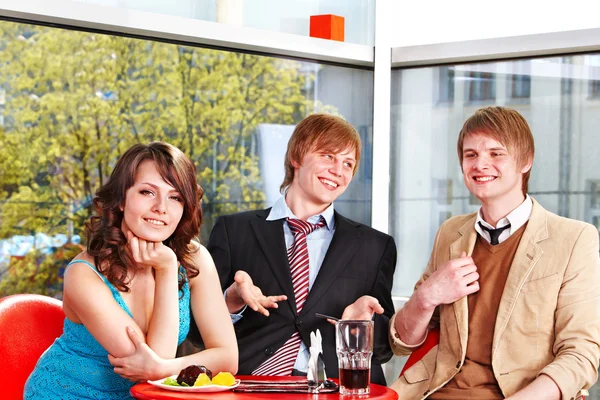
<point>127,298</point>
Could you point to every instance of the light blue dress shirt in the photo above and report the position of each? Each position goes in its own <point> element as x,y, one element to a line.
<point>317,242</point>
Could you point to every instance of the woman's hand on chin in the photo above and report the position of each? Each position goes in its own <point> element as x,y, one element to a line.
<point>155,254</point>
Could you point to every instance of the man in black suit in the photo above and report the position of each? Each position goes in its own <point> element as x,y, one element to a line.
<point>349,266</point>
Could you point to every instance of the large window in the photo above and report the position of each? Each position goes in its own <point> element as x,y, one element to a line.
<point>71,102</point>
<point>426,181</point>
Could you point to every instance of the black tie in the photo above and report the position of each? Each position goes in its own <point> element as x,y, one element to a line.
<point>494,233</point>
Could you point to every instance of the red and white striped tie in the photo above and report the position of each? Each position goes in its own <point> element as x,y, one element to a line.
<point>282,361</point>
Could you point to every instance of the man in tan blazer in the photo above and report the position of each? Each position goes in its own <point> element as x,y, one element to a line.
<point>513,288</point>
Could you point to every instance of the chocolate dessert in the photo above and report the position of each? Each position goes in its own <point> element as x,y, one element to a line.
<point>188,375</point>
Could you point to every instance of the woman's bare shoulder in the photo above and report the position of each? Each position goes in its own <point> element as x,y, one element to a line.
<point>198,251</point>
<point>84,256</point>
<point>201,258</point>
<point>80,270</point>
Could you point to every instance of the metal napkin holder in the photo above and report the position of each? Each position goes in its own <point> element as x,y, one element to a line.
<point>317,378</point>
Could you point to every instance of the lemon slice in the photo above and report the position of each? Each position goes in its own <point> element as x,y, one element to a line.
<point>224,379</point>
<point>202,380</point>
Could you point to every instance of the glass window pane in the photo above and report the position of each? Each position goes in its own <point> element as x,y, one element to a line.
<point>71,102</point>
<point>563,119</point>
<point>426,180</point>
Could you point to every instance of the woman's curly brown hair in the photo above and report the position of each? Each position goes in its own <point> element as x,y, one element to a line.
<point>106,240</point>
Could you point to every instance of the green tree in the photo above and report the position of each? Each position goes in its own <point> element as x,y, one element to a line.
<point>75,101</point>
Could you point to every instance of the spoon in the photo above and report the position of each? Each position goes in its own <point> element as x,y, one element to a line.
<point>327,317</point>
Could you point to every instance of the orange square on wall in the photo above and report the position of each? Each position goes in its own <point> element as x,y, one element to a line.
<point>327,26</point>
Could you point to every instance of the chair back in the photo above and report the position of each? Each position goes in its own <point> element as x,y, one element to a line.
<point>29,324</point>
<point>432,339</point>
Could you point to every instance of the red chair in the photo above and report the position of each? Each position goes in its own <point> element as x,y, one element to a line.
<point>29,323</point>
<point>432,339</point>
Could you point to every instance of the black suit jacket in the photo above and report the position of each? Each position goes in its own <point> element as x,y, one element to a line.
<point>360,261</point>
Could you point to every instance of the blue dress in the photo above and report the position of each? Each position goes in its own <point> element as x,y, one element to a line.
<point>76,366</point>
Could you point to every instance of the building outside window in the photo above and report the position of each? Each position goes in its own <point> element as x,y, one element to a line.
<point>481,86</point>
<point>595,88</point>
<point>520,86</point>
<point>519,82</point>
<point>593,204</point>
<point>593,62</point>
<point>445,87</point>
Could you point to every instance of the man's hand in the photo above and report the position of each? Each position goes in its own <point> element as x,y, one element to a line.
<point>242,291</point>
<point>363,308</point>
<point>142,365</point>
<point>542,388</point>
<point>454,280</point>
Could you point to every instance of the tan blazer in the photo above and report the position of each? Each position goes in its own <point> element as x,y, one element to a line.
<point>549,316</point>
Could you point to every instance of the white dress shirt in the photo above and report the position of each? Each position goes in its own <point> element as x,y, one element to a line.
<point>517,218</point>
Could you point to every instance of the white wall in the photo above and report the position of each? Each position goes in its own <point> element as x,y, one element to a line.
<point>440,21</point>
